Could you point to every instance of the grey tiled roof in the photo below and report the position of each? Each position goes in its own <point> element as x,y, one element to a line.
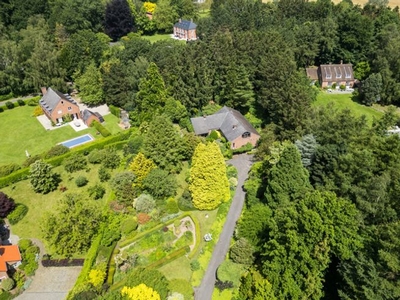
<point>50,100</point>
<point>87,113</point>
<point>186,25</point>
<point>230,122</point>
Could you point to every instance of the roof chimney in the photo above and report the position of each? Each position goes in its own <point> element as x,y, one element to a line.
<point>341,62</point>
<point>180,20</point>
<point>44,90</point>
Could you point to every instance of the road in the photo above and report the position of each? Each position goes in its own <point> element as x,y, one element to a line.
<point>242,163</point>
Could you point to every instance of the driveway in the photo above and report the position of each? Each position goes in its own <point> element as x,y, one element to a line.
<point>242,163</point>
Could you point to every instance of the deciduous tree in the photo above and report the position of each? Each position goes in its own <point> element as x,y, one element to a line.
<point>140,292</point>
<point>118,19</point>
<point>42,178</point>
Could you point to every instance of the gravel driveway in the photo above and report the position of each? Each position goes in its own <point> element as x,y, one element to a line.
<point>242,163</point>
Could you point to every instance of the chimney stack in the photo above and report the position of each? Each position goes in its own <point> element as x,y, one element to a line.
<point>44,90</point>
<point>341,62</point>
<point>180,20</point>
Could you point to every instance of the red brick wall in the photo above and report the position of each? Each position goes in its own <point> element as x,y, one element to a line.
<point>240,141</point>
<point>62,107</point>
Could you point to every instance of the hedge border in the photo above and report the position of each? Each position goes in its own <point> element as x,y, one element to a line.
<point>198,237</point>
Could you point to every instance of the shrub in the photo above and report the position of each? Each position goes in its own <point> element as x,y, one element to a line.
<point>97,191</point>
<point>95,156</point>
<point>8,169</point>
<point>24,244</point>
<point>145,203</point>
<point>214,135</point>
<point>143,218</point>
<point>194,265</point>
<point>110,158</point>
<point>231,171</point>
<point>6,205</point>
<point>81,181</point>
<point>33,102</point>
<point>243,149</point>
<point>128,226</point>
<point>7,284</point>
<point>229,271</point>
<point>21,102</point>
<point>17,214</point>
<point>100,128</point>
<point>104,175</point>
<point>42,178</point>
<point>114,110</point>
<point>75,163</point>
<point>38,111</point>
<point>56,151</point>
<point>134,145</point>
<point>6,97</point>
<point>9,105</point>
<point>1,109</point>
<point>241,252</point>
<point>172,206</point>
<point>185,201</point>
<point>30,160</point>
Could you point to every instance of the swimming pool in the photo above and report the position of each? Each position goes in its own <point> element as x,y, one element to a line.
<point>78,141</point>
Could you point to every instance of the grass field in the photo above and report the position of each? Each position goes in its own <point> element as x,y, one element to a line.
<point>343,101</point>
<point>157,37</point>
<point>21,131</point>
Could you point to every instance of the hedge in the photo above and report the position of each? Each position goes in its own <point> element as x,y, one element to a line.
<point>65,262</point>
<point>6,97</point>
<point>17,214</point>
<point>111,267</point>
<point>198,237</point>
<point>170,257</point>
<point>243,149</point>
<point>114,110</point>
<point>100,128</point>
<point>14,177</point>
<point>117,145</point>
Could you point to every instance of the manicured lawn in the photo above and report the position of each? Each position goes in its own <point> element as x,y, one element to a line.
<point>39,204</point>
<point>343,101</point>
<point>157,37</point>
<point>21,131</point>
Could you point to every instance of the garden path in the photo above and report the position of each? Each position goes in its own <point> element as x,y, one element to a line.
<point>242,163</point>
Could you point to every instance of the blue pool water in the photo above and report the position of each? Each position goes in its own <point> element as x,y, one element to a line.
<point>78,141</point>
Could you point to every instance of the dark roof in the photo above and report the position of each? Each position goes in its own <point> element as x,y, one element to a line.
<point>337,72</point>
<point>312,73</point>
<point>185,24</point>
<point>50,100</point>
<point>86,114</point>
<point>230,122</point>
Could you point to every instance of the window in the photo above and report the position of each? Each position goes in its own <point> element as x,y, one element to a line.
<point>246,135</point>
<point>233,145</point>
<point>60,112</point>
<point>69,108</point>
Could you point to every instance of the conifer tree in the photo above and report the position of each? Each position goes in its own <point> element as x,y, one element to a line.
<point>141,167</point>
<point>209,184</point>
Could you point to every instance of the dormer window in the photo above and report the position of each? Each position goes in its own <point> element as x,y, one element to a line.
<point>246,135</point>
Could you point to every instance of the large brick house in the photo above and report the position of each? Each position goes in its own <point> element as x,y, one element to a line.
<point>185,30</point>
<point>327,75</point>
<point>9,257</point>
<point>231,123</point>
<point>56,105</point>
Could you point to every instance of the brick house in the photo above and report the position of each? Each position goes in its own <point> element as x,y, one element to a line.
<point>56,105</point>
<point>185,30</point>
<point>231,123</point>
<point>327,75</point>
<point>88,117</point>
<point>9,257</point>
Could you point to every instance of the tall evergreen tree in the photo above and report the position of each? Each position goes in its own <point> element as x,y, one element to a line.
<point>91,86</point>
<point>209,184</point>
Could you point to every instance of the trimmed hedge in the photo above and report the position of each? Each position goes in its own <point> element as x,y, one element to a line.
<point>6,97</point>
<point>111,267</point>
<point>17,214</point>
<point>63,262</point>
<point>117,145</point>
<point>243,149</point>
<point>114,110</point>
<point>14,177</point>
<point>198,238</point>
<point>170,257</point>
<point>100,128</point>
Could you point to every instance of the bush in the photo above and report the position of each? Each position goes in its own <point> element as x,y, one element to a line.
<point>9,105</point>
<point>185,201</point>
<point>33,101</point>
<point>228,271</point>
<point>243,149</point>
<point>143,218</point>
<point>100,128</point>
<point>95,156</point>
<point>97,191</point>
<point>128,226</point>
<point>24,244</point>
<point>81,181</point>
<point>17,214</point>
<point>172,206</point>
<point>6,97</point>
<point>231,171</point>
<point>75,163</point>
<point>241,252</point>
<point>1,109</point>
<point>7,284</point>
<point>6,205</point>
<point>30,160</point>
<point>114,110</point>
<point>6,170</point>
<point>145,203</point>
<point>21,102</point>
<point>38,111</point>
<point>134,145</point>
<point>194,265</point>
<point>56,151</point>
<point>104,175</point>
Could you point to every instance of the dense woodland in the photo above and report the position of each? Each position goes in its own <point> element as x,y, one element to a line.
<point>322,208</point>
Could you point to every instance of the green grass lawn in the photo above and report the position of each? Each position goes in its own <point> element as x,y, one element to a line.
<point>343,101</point>
<point>157,37</point>
<point>39,204</point>
<point>21,131</point>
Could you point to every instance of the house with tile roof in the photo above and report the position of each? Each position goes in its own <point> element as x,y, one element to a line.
<point>56,105</point>
<point>88,117</point>
<point>231,123</point>
<point>327,75</point>
<point>185,30</point>
<point>9,257</point>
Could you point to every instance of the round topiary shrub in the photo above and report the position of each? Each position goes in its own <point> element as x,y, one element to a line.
<point>9,105</point>
<point>56,151</point>
<point>21,102</point>
<point>128,226</point>
<point>7,284</point>
<point>81,181</point>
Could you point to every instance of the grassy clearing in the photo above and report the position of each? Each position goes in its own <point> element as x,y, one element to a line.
<point>157,37</point>
<point>344,101</point>
<point>39,204</point>
<point>21,131</point>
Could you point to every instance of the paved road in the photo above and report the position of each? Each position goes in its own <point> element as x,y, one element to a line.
<point>204,291</point>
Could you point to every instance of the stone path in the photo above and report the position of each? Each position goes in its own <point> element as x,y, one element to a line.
<point>242,163</point>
